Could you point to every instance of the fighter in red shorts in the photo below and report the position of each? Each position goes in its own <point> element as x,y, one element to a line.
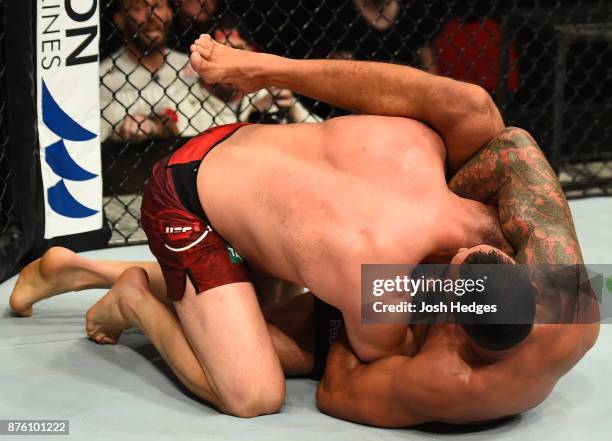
<point>310,203</point>
<point>179,233</point>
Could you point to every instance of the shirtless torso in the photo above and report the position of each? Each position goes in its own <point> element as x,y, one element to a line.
<point>310,203</point>
<point>441,375</point>
<point>448,378</point>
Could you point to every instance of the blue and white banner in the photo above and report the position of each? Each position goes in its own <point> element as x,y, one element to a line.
<point>69,115</point>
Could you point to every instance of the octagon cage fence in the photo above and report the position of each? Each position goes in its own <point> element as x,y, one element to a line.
<point>546,63</point>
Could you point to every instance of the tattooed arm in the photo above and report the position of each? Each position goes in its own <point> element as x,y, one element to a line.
<point>512,173</point>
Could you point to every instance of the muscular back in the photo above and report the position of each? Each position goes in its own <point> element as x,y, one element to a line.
<point>308,202</point>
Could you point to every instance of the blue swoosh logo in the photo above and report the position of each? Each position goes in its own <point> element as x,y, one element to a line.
<point>59,122</point>
<point>63,165</point>
<point>62,202</point>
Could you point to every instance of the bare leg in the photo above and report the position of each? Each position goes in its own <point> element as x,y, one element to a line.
<point>290,323</point>
<point>228,334</point>
<point>130,302</point>
<point>190,343</point>
<point>60,270</point>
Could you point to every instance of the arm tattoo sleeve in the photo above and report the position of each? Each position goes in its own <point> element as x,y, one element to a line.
<point>512,173</point>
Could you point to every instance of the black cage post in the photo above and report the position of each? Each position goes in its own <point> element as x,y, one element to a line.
<point>20,216</point>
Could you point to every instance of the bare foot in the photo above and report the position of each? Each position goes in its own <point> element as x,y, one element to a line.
<point>216,63</point>
<point>111,315</point>
<point>56,272</point>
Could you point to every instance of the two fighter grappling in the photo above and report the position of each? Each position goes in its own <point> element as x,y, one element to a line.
<point>309,203</point>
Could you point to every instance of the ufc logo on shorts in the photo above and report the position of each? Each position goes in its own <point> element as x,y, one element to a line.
<point>184,232</point>
<point>176,230</point>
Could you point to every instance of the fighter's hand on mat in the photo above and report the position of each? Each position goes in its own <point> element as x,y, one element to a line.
<point>136,127</point>
<point>217,63</point>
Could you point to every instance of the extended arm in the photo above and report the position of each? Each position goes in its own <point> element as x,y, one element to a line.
<point>463,114</point>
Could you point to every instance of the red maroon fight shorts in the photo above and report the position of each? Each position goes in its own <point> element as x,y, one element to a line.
<point>179,233</point>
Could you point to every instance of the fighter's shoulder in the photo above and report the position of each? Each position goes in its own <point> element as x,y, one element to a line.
<point>392,125</point>
<point>512,141</point>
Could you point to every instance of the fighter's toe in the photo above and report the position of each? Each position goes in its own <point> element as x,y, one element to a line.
<point>197,61</point>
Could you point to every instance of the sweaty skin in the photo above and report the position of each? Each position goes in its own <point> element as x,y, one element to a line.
<point>449,379</point>
<point>443,377</point>
<point>394,170</point>
<point>310,203</point>
<point>350,229</point>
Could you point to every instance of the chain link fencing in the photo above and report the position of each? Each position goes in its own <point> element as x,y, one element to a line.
<point>18,213</point>
<point>547,64</point>
<point>8,227</point>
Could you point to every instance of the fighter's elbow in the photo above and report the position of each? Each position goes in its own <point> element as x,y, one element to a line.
<point>485,112</point>
<point>467,118</point>
<point>326,399</point>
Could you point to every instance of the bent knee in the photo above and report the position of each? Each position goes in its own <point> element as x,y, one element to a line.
<point>262,400</point>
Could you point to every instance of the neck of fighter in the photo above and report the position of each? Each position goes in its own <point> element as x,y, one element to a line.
<point>471,223</point>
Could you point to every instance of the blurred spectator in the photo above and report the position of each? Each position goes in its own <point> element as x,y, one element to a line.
<point>193,17</point>
<point>136,99</point>
<point>383,30</point>
<point>380,14</point>
<point>216,104</point>
<point>469,49</point>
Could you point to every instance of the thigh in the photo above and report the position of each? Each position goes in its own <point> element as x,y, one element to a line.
<point>227,331</point>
